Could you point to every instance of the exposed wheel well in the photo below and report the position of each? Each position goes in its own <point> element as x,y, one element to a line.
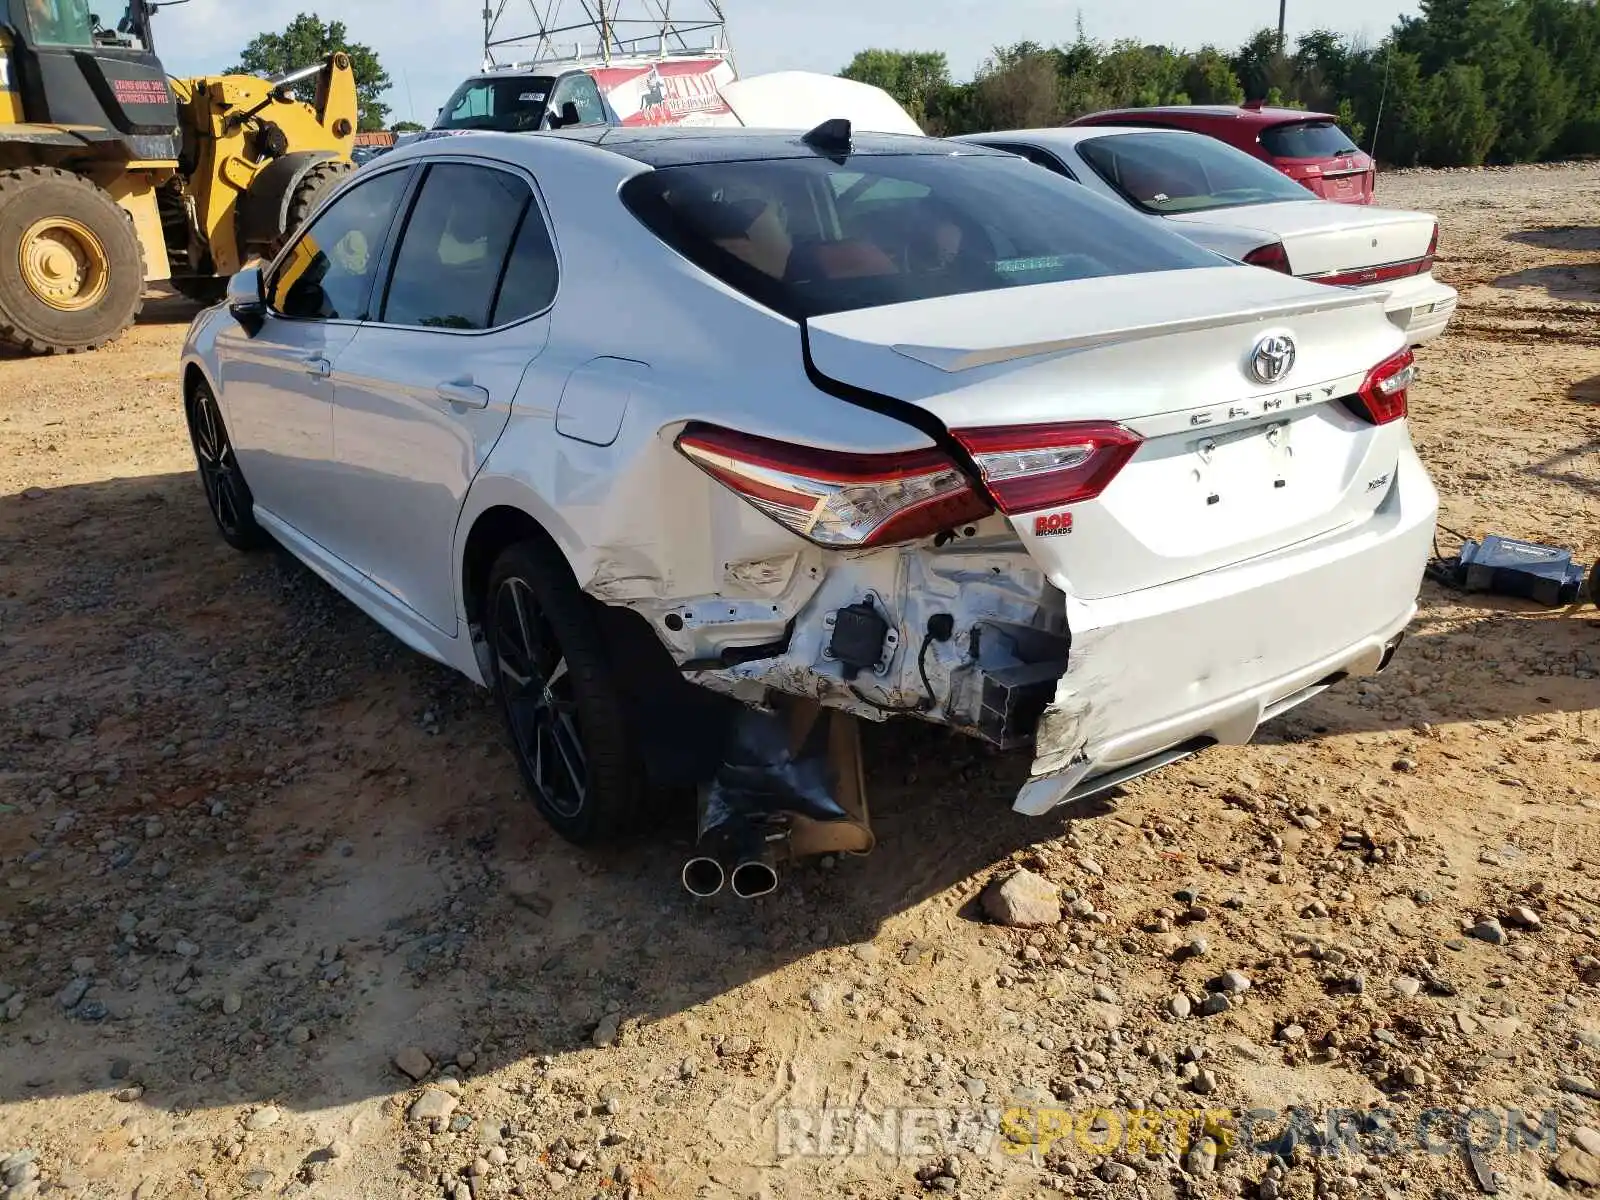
<point>680,726</point>
<point>494,530</point>
<point>193,377</point>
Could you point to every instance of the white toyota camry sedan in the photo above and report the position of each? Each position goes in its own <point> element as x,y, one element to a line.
<point>1239,206</point>
<point>616,422</point>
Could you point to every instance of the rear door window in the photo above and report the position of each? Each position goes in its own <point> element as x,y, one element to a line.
<point>808,236</point>
<point>1307,139</point>
<point>451,262</point>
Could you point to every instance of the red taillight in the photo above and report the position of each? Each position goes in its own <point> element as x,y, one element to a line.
<point>1273,257</point>
<point>1432,255</point>
<point>836,499</point>
<point>1384,394</point>
<point>1029,467</point>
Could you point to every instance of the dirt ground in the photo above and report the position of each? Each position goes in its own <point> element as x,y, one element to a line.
<point>251,850</point>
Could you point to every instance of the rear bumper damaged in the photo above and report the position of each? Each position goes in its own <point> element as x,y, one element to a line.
<point>978,637</point>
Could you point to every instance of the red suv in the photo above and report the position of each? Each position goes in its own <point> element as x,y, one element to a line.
<point>1309,148</point>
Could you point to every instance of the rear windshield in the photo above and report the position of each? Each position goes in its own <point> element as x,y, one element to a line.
<point>504,105</point>
<point>1185,172</point>
<point>1307,139</point>
<point>809,236</point>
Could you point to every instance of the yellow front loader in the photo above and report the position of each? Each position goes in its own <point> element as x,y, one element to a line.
<point>113,176</point>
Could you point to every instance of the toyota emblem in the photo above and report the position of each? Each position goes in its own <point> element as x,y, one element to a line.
<point>1272,359</point>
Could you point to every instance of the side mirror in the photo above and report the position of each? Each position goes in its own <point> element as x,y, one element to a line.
<point>247,300</point>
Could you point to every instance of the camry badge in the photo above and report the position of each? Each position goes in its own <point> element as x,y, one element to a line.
<point>1272,359</point>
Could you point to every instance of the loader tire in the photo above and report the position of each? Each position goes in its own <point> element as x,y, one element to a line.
<point>308,196</point>
<point>71,266</point>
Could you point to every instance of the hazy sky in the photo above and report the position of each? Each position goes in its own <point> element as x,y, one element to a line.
<point>429,46</point>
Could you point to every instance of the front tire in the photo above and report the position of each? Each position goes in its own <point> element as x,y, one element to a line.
<point>71,267</point>
<point>227,494</point>
<point>556,685</point>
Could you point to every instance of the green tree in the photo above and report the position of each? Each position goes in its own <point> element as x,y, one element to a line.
<point>406,127</point>
<point>914,78</point>
<point>1209,78</point>
<point>307,41</point>
<point>1463,126</point>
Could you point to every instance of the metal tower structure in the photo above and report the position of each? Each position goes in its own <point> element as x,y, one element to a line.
<point>531,30</point>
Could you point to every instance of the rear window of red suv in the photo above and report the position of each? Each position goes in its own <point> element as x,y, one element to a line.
<point>1307,139</point>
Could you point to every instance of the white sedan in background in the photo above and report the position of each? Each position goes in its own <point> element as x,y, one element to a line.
<point>1240,207</point>
<point>622,423</point>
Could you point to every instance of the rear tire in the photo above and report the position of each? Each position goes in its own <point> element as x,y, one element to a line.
<point>71,267</point>
<point>566,716</point>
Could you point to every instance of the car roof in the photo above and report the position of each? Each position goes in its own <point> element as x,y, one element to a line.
<point>679,145</point>
<point>1063,135</point>
<point>1245,116</point>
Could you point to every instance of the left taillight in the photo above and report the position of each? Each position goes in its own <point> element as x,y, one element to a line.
<point>1272,257</point>
<point>837,499</point>
<point>1384,396</point>
<point>1032,467</point>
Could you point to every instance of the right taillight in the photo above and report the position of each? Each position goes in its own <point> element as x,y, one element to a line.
<point>1383,396</point>
<point>1031,467</point>
<point>1271,256</point>
<point>1429,258</point>
<point>837,499</point>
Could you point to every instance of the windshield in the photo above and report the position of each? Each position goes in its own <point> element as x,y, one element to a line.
<point>59,22</point>
<point>1185,172</point>
<point>809,236</point>
<point>512,105</point>
<point>1307,139</point>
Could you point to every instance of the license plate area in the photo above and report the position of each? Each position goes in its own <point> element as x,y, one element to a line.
<point>1241,466</point>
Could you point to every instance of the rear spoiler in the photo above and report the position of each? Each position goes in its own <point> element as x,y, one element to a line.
<point>955,359</point>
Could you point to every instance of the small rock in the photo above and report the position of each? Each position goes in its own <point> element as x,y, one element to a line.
<point>72,995</point>
<point>121,1068</point>
<point>1202,1158</point>
<point>128,1095</point>
<point>299,1035</point>
<point>232,1002</point>
<point>1023,900</point>
<point>1575,1166</point>
<point>734,1045</point>
<point>1234,983</point>
<point>1215,1003</point>
<point>1525,918</point>
<point>1105,995</point>
<point>480,1168</point>
<point>263,1118</point>
<point>433,1105</point>
<point>338,1149</point>
<point>497,1156</point>
<point>1579,1085</point>
<point>605,1033</point>
<point>1407,987</point>
<point>1114,1172</point>
<point>1179,1006</point>
<point>1489,931</point>
<point>466,1060</point>
<point>258,1180</point>
<point>1292,1033</point>
<point>414,1063</point>
<point>1204,1081</point>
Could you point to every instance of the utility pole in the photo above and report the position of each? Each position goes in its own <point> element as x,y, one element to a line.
<point>1283,12</point>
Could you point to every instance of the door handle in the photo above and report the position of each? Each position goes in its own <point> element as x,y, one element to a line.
<point>464,395</point>
<point>318,367</point>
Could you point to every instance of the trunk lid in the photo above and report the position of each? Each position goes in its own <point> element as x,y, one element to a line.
<point>1321,239</point>
<point>1229,468</point>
